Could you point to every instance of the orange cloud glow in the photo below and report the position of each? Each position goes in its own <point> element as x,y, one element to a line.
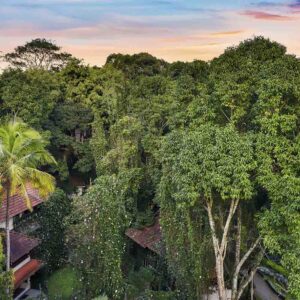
<point>227,33</point>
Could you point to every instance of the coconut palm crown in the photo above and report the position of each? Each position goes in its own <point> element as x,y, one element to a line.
<point>22,153</point>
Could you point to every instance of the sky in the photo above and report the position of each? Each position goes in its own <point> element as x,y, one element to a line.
<point>170,29</point>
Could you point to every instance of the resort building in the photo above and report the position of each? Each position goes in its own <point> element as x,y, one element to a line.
<point>21,245</point>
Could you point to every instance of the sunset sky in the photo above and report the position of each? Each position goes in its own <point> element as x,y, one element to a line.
<point>169,29</point>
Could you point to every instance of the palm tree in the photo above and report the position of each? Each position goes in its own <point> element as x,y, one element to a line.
<point>22,152</point>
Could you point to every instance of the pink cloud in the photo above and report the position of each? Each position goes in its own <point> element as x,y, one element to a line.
<point>266,16</point>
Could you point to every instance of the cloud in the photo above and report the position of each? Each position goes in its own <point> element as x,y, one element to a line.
<point>295,7</point>
<point>268,4</point>
<point>171,29</point>
<point>101,32</point>
<point>290,6</point>
<point>261,15</point>
<point>295,4</point>
<point>227,33</point>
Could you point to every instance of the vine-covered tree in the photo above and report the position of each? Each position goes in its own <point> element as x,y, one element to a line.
<point>97,224</point>
<point>52,231</point>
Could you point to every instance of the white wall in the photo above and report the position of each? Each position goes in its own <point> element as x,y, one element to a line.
<point>11,224</point>
<point>21,264</point>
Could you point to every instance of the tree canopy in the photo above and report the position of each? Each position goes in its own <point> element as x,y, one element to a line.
<point>208,149</point>
<point>37,54</point>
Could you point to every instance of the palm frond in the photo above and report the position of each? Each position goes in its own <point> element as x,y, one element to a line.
<point>22,152</point>
<point>24,194</point>
<point>42,181</point>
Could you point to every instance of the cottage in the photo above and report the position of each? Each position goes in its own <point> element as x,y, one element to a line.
<point>148,237</point>
<point>22,264</point>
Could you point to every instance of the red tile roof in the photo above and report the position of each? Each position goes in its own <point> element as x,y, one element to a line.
<point>17,203</point>
<point>148,237</point>
<point>26,271</point>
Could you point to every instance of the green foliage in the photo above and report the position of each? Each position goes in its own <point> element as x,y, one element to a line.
<point>280,226</point>
<point>31,95</point>
<point>198,70</point>
<point>37,54</point>
<point>273,265</point>
<point>210,164</point>
<point>70,126</point>
<point>161,295</point>
<point>138,282</point>
<point>96,233</point>
<point>52,229</point>
<point>98,143</point>
<point>210,161</point>
<point>256,85</point>
<point>63,284</point>
<point>112,122</point>
<point>113,199</point>
<point>124,142</point>
<point>6,280</point>
<point>136,65</point>
<point>22,153</point>
<point>144,218</point>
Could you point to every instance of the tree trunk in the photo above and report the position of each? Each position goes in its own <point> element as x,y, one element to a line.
<point>252,289</point>
<point>220,248</point>
<point>7,229</point>
<point>7,235</point>
<point>220,277</point>
<point>237,253</point>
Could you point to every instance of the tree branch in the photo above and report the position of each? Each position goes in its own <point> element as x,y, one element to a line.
<point>212,227</point>
<point>247,254</point>
<point>233,206</point>
<point>247,281</point>
<point>250,277</point>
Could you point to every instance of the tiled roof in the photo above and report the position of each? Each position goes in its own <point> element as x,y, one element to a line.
<point>20,245</point>
<point>148,237</point>
<point>26,271</point>
<point>17,203</point>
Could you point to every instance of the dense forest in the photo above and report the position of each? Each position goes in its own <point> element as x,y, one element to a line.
<point>210,151</point>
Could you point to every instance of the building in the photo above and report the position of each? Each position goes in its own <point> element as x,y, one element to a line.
<point>147,247</point>
<point>22,264</point>
<point>147,237</point>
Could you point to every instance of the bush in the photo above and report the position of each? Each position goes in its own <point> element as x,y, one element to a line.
<point>63,284</point>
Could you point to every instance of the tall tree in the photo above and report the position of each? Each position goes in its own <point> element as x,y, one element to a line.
<point>22,152</point>
<point>256,85</point>
<point>212,166</point>
<point>37,54</point>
